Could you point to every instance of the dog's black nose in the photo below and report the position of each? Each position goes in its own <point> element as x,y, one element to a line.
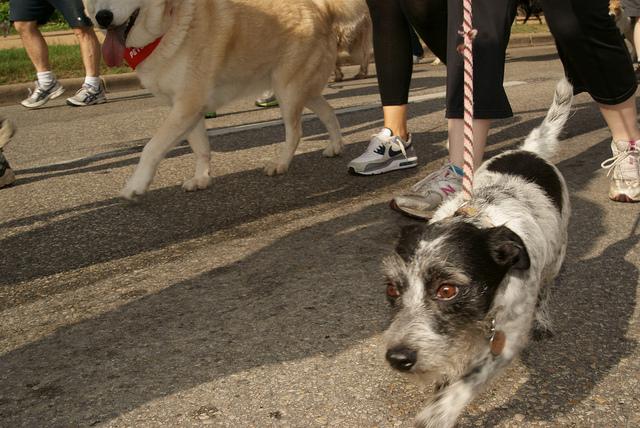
<point>402,359</point>
<point>104,18</point>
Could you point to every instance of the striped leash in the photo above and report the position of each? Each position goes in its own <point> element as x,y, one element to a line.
<point>466,49</point>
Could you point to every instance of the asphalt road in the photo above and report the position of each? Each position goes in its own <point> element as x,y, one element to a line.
<point>259,302</point>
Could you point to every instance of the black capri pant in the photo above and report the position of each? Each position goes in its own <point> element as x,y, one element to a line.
<point>590,46</point>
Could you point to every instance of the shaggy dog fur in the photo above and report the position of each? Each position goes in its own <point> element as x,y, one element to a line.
<point>472,285</point>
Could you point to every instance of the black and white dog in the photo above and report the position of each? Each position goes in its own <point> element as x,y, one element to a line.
<point>470,286</point>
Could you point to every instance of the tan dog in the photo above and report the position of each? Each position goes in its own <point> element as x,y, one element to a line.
<point>213,51</point>
<point>625,25</point>
<point>355,39</point>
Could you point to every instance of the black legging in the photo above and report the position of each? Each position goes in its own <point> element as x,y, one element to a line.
<point>392,21</point>
<point>590,47</point>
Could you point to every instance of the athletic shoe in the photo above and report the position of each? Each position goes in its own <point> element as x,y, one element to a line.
<point>88,95</point>
<point>385,152</point>
<point>6,173</point>
<point>267,99</point>
<point>40,95</point>
<point>7,176</point>
<point>624,171</point>
<point>428,194</point>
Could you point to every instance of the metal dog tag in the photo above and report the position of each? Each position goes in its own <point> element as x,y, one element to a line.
<point>498,341</point>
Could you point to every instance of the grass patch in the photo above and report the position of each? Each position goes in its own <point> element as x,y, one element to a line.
<point>529,28</point>
<point>15,66</point>
<point>50,26</point>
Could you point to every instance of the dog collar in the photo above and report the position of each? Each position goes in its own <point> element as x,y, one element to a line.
<point>134,56</point>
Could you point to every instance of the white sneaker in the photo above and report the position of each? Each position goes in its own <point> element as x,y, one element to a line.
<point>40,95</point>
<point>385,152</point>
<point>624,171</point>
<point>428,194</point>
<point>88,95</point>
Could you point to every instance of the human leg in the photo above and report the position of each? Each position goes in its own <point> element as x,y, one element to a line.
<point>34,44</point>
<point>89,49</point>
<point>394,63</point>
<point>596,61</point>
<point>92,91</point>
<point>492,19</point>
<point>636,34</point>
<point>26,16</point>
<point>429,19</point>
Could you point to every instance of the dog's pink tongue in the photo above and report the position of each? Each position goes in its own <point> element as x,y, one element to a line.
<point>113,47</point>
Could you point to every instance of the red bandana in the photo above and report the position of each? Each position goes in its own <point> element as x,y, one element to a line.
<point>134,56</point>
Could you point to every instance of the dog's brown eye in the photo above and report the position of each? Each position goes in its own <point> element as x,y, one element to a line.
<point>446,292</point>
<point>392,290</point>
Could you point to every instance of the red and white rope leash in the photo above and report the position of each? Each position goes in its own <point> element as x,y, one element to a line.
<point>466,49</point>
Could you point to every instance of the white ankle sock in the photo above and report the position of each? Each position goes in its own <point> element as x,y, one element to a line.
<point>93,81</point>
<point>46,78</point>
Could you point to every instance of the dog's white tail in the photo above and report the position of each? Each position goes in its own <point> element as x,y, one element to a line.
<point>543,140</point>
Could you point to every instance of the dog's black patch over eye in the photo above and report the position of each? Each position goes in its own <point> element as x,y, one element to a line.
<point>482,256</point>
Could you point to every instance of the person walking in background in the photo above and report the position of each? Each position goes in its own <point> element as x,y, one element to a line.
<point>26,16</point>
<point>593,54</point>
<point>595,60</point>
<point>391,148</point>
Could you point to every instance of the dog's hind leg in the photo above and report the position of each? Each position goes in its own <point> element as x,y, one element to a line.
<point>291,108</point>
<point>199,143</point>
<point>176,126</point>
<point>327,116</point>
<point>542,323</point>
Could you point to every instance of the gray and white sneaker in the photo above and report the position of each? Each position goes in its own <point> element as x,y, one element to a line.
<point>88,95</point>
<point>428,194</point>
<point>40,95</point>
<point>624,171</point>
<point>385,152</point>
<point>7,177</point>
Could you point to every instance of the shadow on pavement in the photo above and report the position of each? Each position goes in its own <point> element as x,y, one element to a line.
<point>113,229</point>
<point>263,310</point>
<point>256,312</point>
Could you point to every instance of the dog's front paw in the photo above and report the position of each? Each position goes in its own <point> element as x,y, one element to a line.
<point>275,168</point>
<point>333,150</point>
<point>541,333</point>
<point>438,414</point>
<point>197,183</point>
<point>133,190</point>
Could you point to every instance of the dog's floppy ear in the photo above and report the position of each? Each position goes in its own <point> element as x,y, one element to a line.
<point>507,249</point>
<point>409,239</point>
